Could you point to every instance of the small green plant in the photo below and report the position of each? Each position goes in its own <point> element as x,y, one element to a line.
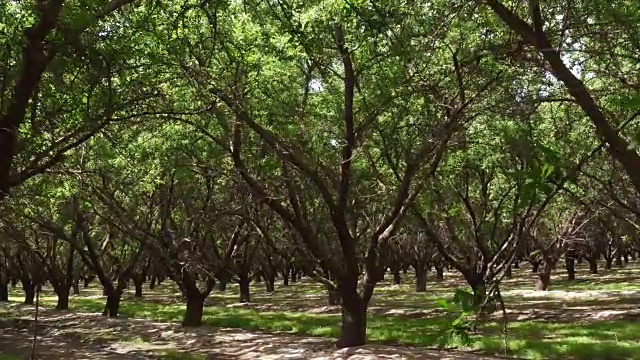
<point>463,312</point>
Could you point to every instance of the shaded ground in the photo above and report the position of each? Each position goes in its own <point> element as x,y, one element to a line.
<point>73,335</point>
<point>595,317</point>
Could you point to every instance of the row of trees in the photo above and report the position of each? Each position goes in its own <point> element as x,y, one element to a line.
<point>208,142</point>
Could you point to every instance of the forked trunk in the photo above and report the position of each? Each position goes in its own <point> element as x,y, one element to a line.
<point>195,309</point>
<point>421,280</point>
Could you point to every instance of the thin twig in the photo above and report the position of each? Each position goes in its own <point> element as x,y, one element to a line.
<point>35,327</point>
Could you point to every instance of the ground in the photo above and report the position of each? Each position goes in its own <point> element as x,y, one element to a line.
<point>594,317</point>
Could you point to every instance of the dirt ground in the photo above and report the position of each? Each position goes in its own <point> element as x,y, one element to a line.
<point>74,335</point>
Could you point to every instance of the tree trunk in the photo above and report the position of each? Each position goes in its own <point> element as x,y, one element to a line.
<point>354,319</point>
<point>152,282</point>
<point>516,264</point>
<point>625,257</point>
<point>544,277</point>
<point>543,281</point>
<point>222,286</point>
<point>607,263</point>
<point>63,298</point>
<point>334,297</point>
<point>294,276</point>
<point>535,266</point>
<point>439,273</point>
<point>421,280</point>
<point>76,287</point>
<point>29,291</point>
<point>270,283</point>
<point>4,291</point>
<point>619,259</point>
<point>285,277</point>
<point>137,282</point>
<point>508,273</point>
<point>195,309</point>
<point>633,255</point>
<point>112,306</point>
<point>86,281</point>
<point>245,292</point>
<point>396,278</point>
<point>570,264</point>
<point>14,283</point>
<point>593,266</point>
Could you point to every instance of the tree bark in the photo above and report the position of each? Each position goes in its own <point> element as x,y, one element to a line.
<point>543,281</point>
<point>439,273</point>
<point>421,280</point>
<point>608,262</point>
<point>4,291</point>
<point>29,291</point>
<point>571,268</point>
<point>354,319</point>
<point>334,297</point>
<point>593,266</point>
<point>508,273</point>
<point>152,282</point>
<point>270,283</point>
<point>396,278</point>
<point>137,282</point>
<point>112,306</point>
<point>76,287</point>
<point>294,276</point>
<point>63,298</point>
<point>535,266</point>
<point>619,259</point>
<point>194,312</point>
<point>245,291</point>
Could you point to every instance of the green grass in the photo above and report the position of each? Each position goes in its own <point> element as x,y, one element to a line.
<point>530,339</point>
<point>8,357</point>
<point>175,355</point>
<point>287,310</point>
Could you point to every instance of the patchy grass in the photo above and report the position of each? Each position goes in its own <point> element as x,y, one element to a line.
<point>579,326</point>
<point>528,339</point>
<point>176,355</point>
